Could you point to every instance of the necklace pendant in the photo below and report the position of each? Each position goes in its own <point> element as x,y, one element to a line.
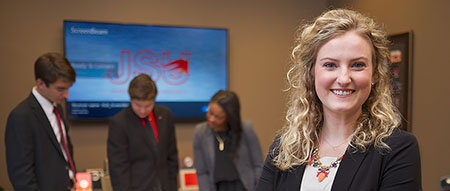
<point>321,176</point>
<point>323,171</point>
<point>221,146</point>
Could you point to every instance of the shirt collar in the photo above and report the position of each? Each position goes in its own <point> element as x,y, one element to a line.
<point>46,105</point>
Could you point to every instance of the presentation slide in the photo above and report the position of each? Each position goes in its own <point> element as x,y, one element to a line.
<point>188,64</point>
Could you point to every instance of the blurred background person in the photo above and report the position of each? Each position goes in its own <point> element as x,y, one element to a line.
<point>342,129</point>
<point>142,149</point>
<point>227,152</point>
<point>39,153</point>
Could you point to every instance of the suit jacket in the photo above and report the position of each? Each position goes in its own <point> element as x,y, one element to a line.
<point>34,157</point>
<point>394,170</point>
<point>136,160</point>
<point>248,161</point>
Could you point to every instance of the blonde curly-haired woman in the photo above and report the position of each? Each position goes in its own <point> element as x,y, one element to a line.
<point>341,130</point>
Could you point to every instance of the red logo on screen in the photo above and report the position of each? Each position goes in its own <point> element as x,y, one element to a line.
<point>157,66</point>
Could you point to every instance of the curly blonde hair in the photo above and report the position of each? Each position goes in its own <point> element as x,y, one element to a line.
<point>304,116</point>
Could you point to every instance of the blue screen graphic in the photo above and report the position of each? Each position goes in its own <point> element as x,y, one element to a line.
<point>188,65</point>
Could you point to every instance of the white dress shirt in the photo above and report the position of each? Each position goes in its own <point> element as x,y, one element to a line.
<point>47,106</point>
<point>310,182</point>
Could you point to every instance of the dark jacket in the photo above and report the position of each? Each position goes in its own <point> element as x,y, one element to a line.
<point>34,157</point>
<point>136,160</point>
<point>396,170</point>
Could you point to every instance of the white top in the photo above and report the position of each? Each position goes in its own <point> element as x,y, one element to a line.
<point>310,181</point>
<point>47,106</point>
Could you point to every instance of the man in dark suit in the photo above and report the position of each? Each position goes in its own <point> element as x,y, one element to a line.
<point>142,148</point>
<point>38,148</point>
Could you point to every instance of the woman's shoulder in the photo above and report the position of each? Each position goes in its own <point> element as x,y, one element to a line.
<point>202,128</point>
<point>401,143</point>
<point>275,146</point>
<point>201,125</point>
<point>247,125</point>
<point>400,139</point>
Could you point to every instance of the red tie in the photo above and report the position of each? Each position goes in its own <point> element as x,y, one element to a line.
<point>63,139</point>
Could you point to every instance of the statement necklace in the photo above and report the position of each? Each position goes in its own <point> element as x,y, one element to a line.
<point>322,171</point>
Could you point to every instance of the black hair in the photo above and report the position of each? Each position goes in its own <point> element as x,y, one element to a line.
<point>229,102</point>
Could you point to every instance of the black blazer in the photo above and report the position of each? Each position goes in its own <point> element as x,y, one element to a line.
<point>396,170</point>
<point>136,160</point>
<point>34,157</point>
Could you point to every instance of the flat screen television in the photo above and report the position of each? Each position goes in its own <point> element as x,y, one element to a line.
<point>188,64</point>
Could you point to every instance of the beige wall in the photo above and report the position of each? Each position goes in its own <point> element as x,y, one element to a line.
<point>261,34</point>
<point>260,38</point>
<point>429,21</point>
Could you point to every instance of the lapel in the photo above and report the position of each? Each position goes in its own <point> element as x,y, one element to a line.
<point>144,132</point>
<point>348,168</point>
<point>210,146</point>
<point>45,123</point>
<point>295,178</point>
<point>160,123</point>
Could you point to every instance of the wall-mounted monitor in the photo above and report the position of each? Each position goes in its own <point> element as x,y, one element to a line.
<point>188,64</point>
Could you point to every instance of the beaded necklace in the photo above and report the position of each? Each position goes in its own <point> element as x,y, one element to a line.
<point>322,171</point>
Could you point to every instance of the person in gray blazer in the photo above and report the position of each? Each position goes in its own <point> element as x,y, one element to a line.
<point>227,153</point>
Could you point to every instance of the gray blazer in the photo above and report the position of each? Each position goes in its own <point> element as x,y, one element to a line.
<point>248,162</point>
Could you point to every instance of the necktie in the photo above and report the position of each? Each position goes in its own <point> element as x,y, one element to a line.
<point>146,123</point>
<point>151,117</point>
<point>63,139</point>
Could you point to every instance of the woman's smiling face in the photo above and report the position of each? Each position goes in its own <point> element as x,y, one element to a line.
<point>343,73</point>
